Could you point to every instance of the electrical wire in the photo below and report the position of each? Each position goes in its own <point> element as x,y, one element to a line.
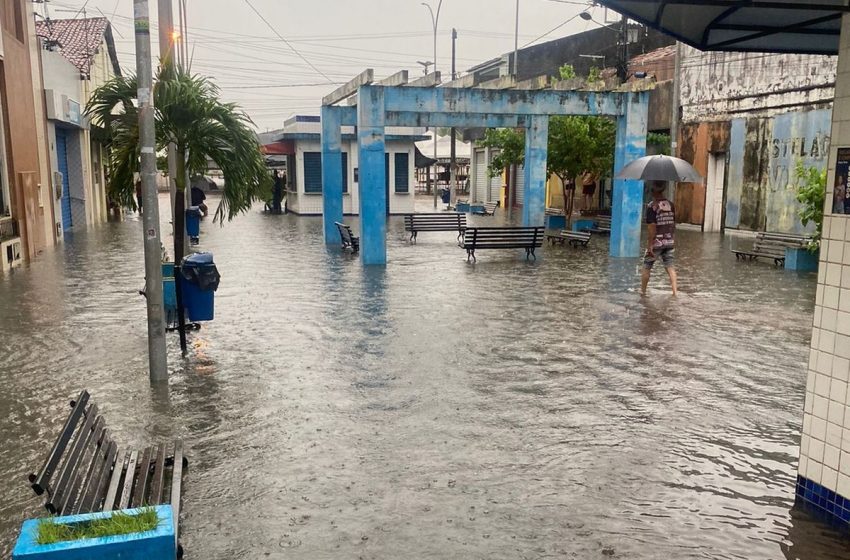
<point>282,38</point>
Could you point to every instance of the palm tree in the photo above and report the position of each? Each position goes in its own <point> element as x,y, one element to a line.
<point>190,115</point>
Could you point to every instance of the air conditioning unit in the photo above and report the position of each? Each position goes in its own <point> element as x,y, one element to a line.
<point>10,253</point>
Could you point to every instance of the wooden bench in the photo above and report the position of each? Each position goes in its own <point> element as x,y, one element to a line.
<point>350,242</point>
<point>554,212</point>
<point>574,238</point>
<point>441,221</point>
<point>86,472</point>
<point>603,225</point>
<point>772,246</point>
<point>528,238</point>
<point>489,209</point>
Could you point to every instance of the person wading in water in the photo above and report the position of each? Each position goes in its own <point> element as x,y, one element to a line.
<point>661,223</point>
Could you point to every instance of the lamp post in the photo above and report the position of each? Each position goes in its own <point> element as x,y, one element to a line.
<point>435,20</point>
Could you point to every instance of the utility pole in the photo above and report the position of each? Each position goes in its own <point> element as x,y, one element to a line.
<point>516,44</point>
<point>453,155</point>
<point>623,66</point>
<point>150,217</point>
<point>435,20</point>
<point>674,118</point>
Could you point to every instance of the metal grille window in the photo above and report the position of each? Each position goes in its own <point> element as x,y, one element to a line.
<point>312,172</point>
<point>402,170</point>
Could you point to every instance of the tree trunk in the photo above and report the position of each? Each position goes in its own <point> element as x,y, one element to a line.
<point>569,196</point>
<point>179,222</point>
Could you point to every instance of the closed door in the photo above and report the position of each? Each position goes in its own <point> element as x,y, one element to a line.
<point>62,156</point>
<point>481,177</point>
<point>714,193</point>
<point>494,193</point>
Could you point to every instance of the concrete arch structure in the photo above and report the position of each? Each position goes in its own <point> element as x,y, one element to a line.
<point>381,106</point>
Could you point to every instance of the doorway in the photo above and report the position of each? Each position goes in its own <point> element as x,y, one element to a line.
<point>715,193</point>
<point>62,157</point>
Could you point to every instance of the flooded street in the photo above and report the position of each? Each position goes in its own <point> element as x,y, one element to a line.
<point>433,409</point>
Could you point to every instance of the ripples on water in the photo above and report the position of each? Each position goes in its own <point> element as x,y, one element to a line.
<point>434,409</point>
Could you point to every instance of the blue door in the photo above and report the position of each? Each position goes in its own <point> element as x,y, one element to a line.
<point>62,156</point>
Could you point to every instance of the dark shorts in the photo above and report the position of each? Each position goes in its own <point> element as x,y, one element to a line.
<point>666,256</point>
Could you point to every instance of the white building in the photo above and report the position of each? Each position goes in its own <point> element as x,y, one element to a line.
<point>78,56</point>
<point>302,138</point>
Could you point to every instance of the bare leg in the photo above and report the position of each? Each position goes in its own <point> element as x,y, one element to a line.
<point>671,272</point>
<point>644,280</point>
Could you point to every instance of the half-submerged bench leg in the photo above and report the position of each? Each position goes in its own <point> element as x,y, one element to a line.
<point>470,253</point>
<point>413,237</point>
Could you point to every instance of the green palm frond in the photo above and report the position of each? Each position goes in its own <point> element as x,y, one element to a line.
<point>189,114</point>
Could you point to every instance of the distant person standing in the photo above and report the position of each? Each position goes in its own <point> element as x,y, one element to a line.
<point>661,225</point>
<point>588,189</point>
<point>198,196</point>
<point>277,193</point>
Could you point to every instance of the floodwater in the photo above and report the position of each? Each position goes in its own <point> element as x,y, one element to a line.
<point>433,409</point>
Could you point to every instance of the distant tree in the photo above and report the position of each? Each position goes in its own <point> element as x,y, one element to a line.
<point>811,194</point>
<point>511,145</point>
<point>594,74</point>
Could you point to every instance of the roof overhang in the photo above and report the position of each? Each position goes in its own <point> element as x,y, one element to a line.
<point>808,27</point>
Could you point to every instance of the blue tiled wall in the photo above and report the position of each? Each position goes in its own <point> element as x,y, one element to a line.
<point>834,507</point>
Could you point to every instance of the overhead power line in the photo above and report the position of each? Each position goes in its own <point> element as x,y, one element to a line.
<point>282,38</point>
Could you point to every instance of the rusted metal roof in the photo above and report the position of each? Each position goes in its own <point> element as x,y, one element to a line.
<point>807,27</point>
<point>79,40</point>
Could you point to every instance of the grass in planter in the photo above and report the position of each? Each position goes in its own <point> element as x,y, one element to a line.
<point>51,532</point>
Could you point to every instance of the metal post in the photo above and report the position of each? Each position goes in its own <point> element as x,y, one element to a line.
<point>453,158</point>
<point>623,67</point>
<point>166,57</point>
<point>147,137</point>
<point>435,20</point>
<point>516,44</point>
<point>674,118</point>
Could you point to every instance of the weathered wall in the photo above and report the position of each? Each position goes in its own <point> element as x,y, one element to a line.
<point>696,142</point>
<point>721,86</point>
<point>661,107</point>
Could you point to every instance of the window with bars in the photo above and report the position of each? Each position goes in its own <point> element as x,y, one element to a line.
<point>313,172</point>
<point>402,172</point>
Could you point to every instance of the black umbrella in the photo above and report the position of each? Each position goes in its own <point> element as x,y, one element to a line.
<point>661,168</point>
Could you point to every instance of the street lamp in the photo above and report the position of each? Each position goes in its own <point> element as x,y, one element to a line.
<point>425,64</point>
<point>435,20</point>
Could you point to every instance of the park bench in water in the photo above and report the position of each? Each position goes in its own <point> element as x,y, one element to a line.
<point>528,238</point>
<point>488,209</point>
<point>440,221</point>
<point>772,246</point>
<point>87,472</point>
<point>602,225</point>
<point>349,241</point>
<point>574,238</point>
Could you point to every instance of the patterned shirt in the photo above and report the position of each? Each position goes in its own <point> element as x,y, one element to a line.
<point>662,213</point>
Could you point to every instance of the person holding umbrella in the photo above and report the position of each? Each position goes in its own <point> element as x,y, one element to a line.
<point>660,214</point>
<point>661,225</point>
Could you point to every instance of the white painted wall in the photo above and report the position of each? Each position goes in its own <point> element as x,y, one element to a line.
<point>304,203</point>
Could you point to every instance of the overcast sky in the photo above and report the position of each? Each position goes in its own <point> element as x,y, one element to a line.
<point>340,38</point>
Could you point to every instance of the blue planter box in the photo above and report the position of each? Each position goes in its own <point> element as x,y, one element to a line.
<point>479,208</point>
<point>556,222</point>
<point>463,207</point>
<point>801,259</point>
<point>581,225</point>
<point>160,544</point>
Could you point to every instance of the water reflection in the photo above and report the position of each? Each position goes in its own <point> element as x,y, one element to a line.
<point>434,409</point>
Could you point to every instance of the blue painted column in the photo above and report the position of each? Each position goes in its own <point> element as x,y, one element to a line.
<point>373,194</point>
<point>331,173</point>
<point>536,153</point>
<point>627,205</point>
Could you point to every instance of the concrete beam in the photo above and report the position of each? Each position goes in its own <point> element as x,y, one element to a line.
<point>467,81</point>
<point>509,102</point>
<point>462,120</point>
<point>373,192</point>
<point>540,82</point>
<point>397,79</point>
<point>430,80</point>
<point>536,154</point>
<point>347,90</point>
<point>505,82</point>
<point>331,172</point>
<point>572,84</point>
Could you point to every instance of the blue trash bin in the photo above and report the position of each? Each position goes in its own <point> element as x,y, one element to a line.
<point>199,279</point>
<point>446,196</point>
<point>193,222</point>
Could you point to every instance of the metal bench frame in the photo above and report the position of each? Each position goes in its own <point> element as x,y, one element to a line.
<point>438,221</point>
<point>350,242</point>
<point>772,246</point>
<point>574,238</point>
<point>602,225</point>
<point>488,210</point>
<point>528,238</point>
<point>86,472</point>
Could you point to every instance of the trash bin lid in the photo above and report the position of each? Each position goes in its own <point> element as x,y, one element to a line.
<point>198,259</point>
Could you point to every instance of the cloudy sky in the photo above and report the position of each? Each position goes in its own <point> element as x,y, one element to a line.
<point>336,40</point>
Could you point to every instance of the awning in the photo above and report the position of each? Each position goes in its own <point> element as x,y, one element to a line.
<point>811,27</point>
<point>421,160</point>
